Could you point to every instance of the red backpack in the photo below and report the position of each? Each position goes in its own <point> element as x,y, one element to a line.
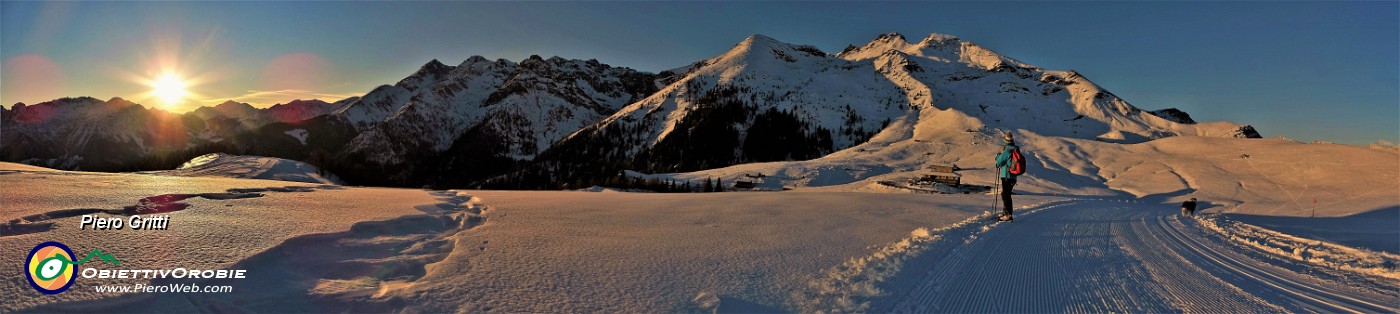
<point>1018,162</point>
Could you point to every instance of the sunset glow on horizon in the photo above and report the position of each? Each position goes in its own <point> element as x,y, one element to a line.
<point>169,88</point>
<point>265,53</point>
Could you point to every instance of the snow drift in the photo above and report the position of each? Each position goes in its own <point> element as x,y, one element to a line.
<point>251,167</point>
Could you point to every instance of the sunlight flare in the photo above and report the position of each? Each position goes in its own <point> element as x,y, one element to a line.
<point>170,88</point>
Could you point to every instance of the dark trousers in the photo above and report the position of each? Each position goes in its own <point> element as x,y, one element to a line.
<point>1006,185</point>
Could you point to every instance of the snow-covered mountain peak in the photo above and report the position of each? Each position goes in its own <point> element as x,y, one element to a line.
<point>890,38</point>
<point>434,66</point>
<point>760,39</point>
<point>473,60</point>
<point>300,104</point>
<point>758,44</point>
<point>62,108</point>
<point>233,106</point>
<point>374,106</point>
<point>426,75</point>
<point>119,102</point>
<point>877,47</point>
<point>938,47</point>
<point>300,110</point>
<point>230,109</point>
<point>755,50</point>
<point>763,100</point>
<point>979,56</point>
<point>305,102</point>
<point>72,101</point>
<point>759,54</point>
<point>754,42</point>
<point>935,39</point>
<point>515,110</point>
<point>720,111</point>
<point>248,117</point>
<point>537,63</point>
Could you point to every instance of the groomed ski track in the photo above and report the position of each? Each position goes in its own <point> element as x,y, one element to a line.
<point>1114,256</point>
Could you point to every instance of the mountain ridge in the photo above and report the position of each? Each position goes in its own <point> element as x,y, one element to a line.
<point>825,103</point>
<point>761,100</point>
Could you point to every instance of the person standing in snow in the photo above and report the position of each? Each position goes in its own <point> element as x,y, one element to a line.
<point>1188,208</point>
<point>1008,179</point>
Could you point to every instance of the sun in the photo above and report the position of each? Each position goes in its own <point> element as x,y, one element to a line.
<point>170,88</point>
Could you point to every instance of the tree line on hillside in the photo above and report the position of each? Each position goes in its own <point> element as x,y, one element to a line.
<point>708,137</point>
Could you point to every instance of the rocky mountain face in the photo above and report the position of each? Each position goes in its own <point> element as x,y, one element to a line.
<point>481,114</point>
<point>1173,115</point>
<point>552,123</point>
<point>85,130</point>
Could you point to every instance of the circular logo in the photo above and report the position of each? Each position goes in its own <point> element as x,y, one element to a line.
<point>50,267</point>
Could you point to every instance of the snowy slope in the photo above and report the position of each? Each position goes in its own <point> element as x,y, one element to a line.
<point>938,87</point>
<point>1318,203</point>
<point>1081,139</point>
<point>250,167</point>
<point>839,100</point>
<point>996,91</point>
<point>1279,177</point>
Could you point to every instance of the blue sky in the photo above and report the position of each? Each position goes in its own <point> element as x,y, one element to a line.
<point>1303,70</point>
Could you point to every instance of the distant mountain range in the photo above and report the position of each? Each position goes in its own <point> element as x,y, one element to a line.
<point>544,123</point>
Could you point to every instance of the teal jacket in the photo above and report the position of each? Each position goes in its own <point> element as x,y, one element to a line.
<point>1004,161</point>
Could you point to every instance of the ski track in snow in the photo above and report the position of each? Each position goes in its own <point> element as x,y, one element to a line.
<point>1088,256</point>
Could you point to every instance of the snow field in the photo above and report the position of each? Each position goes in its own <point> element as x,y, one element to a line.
<point>811,250</point>
<point>654,252</point>
<point>368,268</point>
<point>207,233</point>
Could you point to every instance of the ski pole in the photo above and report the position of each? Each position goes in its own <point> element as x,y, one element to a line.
<point>996,192</point>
